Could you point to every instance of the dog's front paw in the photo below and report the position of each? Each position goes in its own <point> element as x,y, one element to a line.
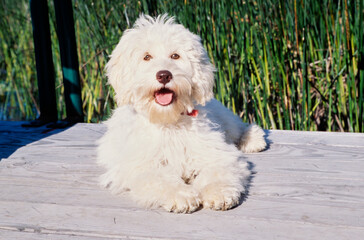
<point>183,201</point>
<point>252,140</point>
<point>220,197</point>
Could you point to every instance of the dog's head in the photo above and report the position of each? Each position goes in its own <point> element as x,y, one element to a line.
<point>161,69</point>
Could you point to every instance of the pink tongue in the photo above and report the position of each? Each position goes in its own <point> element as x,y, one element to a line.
<point>164,98</point>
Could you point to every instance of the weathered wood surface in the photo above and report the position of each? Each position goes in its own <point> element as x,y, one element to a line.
<point>307,185</point>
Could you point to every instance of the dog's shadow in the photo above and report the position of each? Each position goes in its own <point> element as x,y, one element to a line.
<point>244,195</point>
<point>251,166</point>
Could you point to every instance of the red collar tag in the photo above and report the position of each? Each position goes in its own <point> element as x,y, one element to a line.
<point>194,113</point>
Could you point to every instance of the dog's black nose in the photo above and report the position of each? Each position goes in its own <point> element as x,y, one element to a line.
<point>164,76</point>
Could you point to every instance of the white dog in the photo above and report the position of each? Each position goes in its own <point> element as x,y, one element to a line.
<point>169,143</point>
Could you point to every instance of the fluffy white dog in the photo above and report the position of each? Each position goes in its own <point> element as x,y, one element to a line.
<point>169,143</point>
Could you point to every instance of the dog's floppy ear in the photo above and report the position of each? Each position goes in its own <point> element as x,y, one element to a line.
<point>118,70</point>
<point>203,77</point>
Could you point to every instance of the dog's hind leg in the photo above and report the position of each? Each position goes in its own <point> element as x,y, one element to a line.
<point>252,139</point>
<point>247,137</point>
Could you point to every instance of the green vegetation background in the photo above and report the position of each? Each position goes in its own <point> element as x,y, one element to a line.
<point>295,64</point>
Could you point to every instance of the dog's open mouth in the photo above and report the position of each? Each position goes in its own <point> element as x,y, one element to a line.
<point>164,96</point>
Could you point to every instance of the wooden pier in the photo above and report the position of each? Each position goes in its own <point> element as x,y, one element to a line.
<point>307,185</point>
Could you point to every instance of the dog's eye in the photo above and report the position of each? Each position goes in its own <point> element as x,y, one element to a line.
<point>147,57</point>
<point>174,56</point>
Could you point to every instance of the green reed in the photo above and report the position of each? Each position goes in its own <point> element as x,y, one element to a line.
<point>284,64</point>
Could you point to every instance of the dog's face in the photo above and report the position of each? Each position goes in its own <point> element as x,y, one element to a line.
<point>161,69</point>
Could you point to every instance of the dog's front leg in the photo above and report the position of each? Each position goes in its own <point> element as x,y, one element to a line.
<point>220,190</point>
<point>162,188</point>
<point>222,177</point>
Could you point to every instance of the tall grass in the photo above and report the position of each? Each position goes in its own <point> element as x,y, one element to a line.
<point>283,64</point>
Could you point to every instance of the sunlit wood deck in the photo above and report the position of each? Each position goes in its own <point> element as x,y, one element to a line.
<point>307,185</point>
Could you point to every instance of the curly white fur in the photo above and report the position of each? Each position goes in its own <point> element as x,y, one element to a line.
<point>158,152</point>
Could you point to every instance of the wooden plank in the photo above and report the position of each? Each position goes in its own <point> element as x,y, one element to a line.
<point>317,138</point>
<point>44,234</point>
<point>253,221</point>
<point>306,186</point>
